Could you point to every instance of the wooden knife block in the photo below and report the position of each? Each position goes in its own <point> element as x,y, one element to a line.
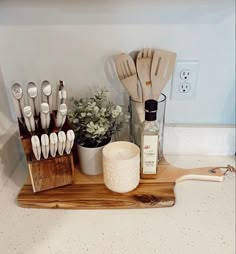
<point>48,173</point>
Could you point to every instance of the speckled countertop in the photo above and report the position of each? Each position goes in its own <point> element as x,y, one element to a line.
<point>202,221</point>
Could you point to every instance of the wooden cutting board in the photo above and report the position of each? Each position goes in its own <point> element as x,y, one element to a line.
<point>89,192</point>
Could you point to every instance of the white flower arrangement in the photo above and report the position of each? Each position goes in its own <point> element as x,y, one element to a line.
<point>95,119</point>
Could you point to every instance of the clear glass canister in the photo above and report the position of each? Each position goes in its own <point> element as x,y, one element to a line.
<point>137,115</point>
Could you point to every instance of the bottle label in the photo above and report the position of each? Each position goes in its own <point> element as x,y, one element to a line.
<point>150,150</point>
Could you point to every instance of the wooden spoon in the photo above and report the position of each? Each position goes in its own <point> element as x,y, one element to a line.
<point>163,64</point>
<point>128,76</point>
<point>143,64</point>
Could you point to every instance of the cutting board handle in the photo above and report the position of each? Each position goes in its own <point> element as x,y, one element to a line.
<point>202,174</point>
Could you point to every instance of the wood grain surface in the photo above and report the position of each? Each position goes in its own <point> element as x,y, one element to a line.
<point>89,192</point>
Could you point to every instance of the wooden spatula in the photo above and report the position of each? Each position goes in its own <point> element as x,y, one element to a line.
<point>128,76</point>
<point>143,64</point>
<point>163,63</point>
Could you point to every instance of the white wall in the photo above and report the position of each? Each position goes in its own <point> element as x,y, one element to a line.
<point>83,55</point>
<point>5,117</point>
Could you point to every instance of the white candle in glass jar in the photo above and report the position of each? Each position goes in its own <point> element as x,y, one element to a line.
<point>121,166</point>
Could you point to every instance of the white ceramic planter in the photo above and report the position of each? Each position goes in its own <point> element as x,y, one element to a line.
<point>90,160</point>
<point>121,166</point>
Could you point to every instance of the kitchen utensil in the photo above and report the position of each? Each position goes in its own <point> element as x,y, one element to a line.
<point>32,91</point>
<point>91,193</point>
<point>70,137</point>
<point>61,142</point>
<point>61,98</point>
<point>36,147</point>
<point>61,115</point>
<point>53,144</point>
<point>17,93</point>
<point>47,93</point>
<point>29,119</point>
<point>162,68</point>
<point>61,85</point>
<point>143,65</point>
<point>128,76</point>
<point>45,116</point>
<point>45,145</point>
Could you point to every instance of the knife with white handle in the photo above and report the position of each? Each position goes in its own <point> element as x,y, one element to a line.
<point>53,144</point>
<point>29,119</point>
<point>36,147</point>
<point>70,137</point>
<point>45,116</point>
<point>61,98</point>
<point>45,145</point>
<point>61,115</point>
<point>61,85</point>
<point>64,96</point>
<point>47,93</point>
<point>61,142</point>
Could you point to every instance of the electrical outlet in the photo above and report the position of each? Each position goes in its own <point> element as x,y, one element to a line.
<point>184,80</point>
<point>185,74</point>
<point>184,88</point>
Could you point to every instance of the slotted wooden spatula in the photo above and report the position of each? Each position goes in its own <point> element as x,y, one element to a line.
<point>163,64</point>
<point>128,76</point>
<point>143,64</point>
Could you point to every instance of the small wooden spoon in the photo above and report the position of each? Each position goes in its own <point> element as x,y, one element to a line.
<point>163,64</point>
<point>128,76</point>
<point>143,64</point>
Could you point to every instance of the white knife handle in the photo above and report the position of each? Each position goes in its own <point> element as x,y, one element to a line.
<point>61,115</point>
<point>59,99</point>
<point>27,123</point>
<point>61,142</point>
<point>29,119</point>
<point>43,120</point>
<point>53,144</point>
<point>64,96</point>
<point>45,145</point>
<point>31,104</point>
<point>43,115</point>
<point>70,137</point>
<point>36,147</point>
<point>59,119</point>
<point>32,123</point>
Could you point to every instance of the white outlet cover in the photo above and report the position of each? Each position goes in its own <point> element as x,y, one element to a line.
<point>186,72</point>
